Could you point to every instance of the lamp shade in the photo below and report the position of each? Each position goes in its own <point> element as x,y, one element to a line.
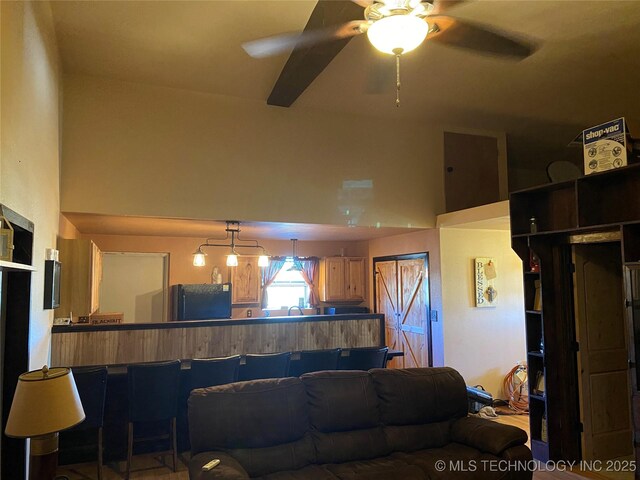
<point>45,402</point>
<point>263,261</point>
<point>400,33</point>
<point>198,259</point>
<point>232,260</point>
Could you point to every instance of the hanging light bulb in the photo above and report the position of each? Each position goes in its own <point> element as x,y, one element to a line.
<point>198,258</point>
<point>263,261</point>
<point>232,260</point>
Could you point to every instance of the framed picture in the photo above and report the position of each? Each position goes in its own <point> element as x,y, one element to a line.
<point>245,280</point>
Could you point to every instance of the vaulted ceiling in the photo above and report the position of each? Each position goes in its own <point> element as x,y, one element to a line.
<point>586,71</point>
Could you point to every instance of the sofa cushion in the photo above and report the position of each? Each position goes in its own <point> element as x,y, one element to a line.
<point>312,472</point>
<point>383,468</point>
<point>341,401</point>
<point>408,438</point>
<point>282,457</point>
<point>416,396</point>
<point>254,414</point>
<point>486,435</point>
<point>228,468</point>
<point>460,462</point>
<point>340,447</point>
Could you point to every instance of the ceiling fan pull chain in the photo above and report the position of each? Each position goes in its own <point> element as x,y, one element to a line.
<point>397,79</point>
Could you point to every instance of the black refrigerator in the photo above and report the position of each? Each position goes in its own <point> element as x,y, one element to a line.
<point>201,301</point>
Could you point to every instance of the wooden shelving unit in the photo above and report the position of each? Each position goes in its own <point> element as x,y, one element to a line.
<point>605,203</point>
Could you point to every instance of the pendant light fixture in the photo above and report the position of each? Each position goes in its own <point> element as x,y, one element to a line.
<point>297,266</point>
<point>233,234</point>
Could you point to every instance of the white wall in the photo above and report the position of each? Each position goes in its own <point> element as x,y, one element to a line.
<point>134,149</point>
<point>483,344</point>
<point>136,284</point>
<point>29,142</point>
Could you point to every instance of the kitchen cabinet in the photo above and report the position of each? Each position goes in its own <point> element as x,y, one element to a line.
<point>342,279</point>
<point>81,276</point>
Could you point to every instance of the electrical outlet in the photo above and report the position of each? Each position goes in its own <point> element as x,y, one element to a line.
<point>434,315</point>
<point>249,313</point>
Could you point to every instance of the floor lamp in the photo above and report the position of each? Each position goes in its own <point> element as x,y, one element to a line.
<point>46,402</point>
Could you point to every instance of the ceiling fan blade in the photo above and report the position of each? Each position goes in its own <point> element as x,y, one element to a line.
<point>305,64</point>
<point>442,6</point>
<point>479,38</point>
<point>270,46</point>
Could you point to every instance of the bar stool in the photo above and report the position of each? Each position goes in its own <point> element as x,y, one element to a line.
<point>271,365</point>
<point>364,359</point>
<point>153,397</point>
<point>315,361</point>
<point>207,372</point>
<point>91,383</point>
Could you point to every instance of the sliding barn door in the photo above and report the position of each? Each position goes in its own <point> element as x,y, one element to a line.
<point>387,301</point>
<point>402,295</point>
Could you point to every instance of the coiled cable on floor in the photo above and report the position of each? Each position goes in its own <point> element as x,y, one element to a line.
<point>514,386</point>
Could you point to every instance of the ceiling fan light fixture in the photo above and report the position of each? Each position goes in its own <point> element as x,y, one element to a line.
<point>397,33</point>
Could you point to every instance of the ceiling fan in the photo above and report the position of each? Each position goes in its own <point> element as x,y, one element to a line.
<point>392,26</point>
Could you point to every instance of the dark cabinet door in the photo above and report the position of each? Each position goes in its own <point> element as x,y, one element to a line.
<point>470,171</point>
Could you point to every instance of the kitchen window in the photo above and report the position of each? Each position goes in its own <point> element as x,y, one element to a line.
<point>288,289</point>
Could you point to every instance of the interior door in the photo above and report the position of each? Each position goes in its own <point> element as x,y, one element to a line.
<point>402,295</point>
<point>471,171</point>
<point>603,360</point>
<point>386,302</point>
<point>413,310</point>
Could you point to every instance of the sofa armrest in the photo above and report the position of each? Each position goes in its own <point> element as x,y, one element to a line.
<point>228,469</point>
<point>486,435</point>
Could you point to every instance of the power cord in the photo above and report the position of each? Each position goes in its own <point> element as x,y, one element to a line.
<point>517,398</point>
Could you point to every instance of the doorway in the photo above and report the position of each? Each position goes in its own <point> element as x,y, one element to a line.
<point>603,355</point>
<point>402,293</point>
<point>136,284</point>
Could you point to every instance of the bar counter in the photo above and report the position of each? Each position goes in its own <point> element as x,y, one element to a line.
<point>119,345</point>
<point>81,345</point>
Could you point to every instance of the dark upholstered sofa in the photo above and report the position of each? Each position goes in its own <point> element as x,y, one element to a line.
<point>409,424</point>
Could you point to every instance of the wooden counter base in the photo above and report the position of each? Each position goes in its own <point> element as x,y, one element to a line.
<point>132,343</point>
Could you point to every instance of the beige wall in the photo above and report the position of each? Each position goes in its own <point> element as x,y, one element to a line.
<point>29,145</point>
<point>180,250</point>
<point>483,344</point>
<point>417,242</point>
<point>136,149</point>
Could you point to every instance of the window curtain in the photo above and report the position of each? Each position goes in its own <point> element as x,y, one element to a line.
<point>269,275</point>
<point>309,270</point>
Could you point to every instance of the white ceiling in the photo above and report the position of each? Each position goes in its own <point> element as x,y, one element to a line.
<point>175,227</point>
<point>586,71</point>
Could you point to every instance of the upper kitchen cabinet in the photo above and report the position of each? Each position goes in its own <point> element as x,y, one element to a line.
<point>342,279</point>
<point>80,278</point>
